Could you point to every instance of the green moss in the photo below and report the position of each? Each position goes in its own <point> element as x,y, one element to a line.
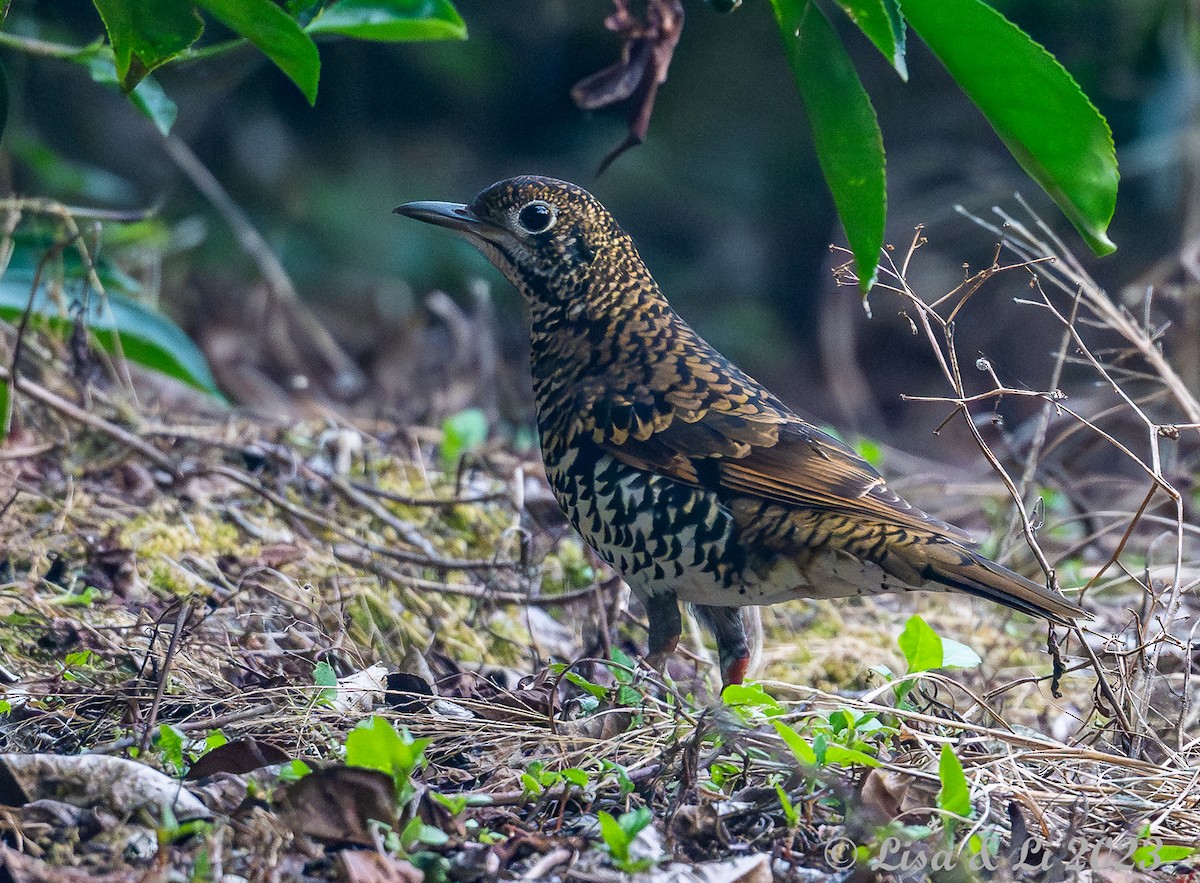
<point>165,579</point>
<point>165,531</point>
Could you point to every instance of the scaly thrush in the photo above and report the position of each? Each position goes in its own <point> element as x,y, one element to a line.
<point>678,468</point>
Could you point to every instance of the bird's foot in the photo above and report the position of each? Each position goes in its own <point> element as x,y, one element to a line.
<point>657,658</point>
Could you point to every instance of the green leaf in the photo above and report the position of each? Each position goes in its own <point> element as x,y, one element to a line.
<point>215,739</point>
<point>870,450</point>
<point>417,831</point>
<point>612,835</point>
<point>294,771</point>
<point>634,821</point>
<point>86,598</point>
<point>921,645</point>
<point>153,103</point>
<point>147,338</point>
<point>324,677</point>
<point>147,33</point>
<point>789,811</point>
<point>840,721</point>
<point>304,10</point>
<point>802,751</point>
<point>624,783</point>
<point>79,658</point>
<point>958,655</point>
<point>587,686</point>
<point>843,756</point>
<point>820,745</point>
<point>276,33</point>
<point>880,21</point>
<point>1150,856</point>
<point>954,795</point>
<point>375,744</point>
<point>169,742</point>
<point>577,777</point>
<point>148,97</point>
<point>391,21</point>
<point>461,433</point>
<point>846,132</point>
<point>624,664</point>
<point>751,696</point>
<point>884,672</point>
<point>1035,106</point>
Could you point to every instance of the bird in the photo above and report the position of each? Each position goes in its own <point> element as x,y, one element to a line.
<point>681,471</point>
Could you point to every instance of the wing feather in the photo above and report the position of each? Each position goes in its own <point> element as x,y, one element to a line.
<point>770,453</point>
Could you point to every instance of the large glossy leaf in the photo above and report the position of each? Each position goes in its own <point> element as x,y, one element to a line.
<point>392,21</point>
<point>274,32</point>
<point>146,337</point>
<point>881,22</point>
<point>147,33</point>
<point>1035,106</point>
<point>846,132</point>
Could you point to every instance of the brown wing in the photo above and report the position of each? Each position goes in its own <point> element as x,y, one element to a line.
<point>758,448</point>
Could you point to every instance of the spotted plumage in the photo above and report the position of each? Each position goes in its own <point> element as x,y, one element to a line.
<point>679,469</point>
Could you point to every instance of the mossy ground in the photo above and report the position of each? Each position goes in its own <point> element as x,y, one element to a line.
<point>137,602</point>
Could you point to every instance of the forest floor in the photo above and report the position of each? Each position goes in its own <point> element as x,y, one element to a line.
<point>234,649</point>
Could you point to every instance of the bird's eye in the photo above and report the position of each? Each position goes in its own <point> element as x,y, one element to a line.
<point>537,217</point>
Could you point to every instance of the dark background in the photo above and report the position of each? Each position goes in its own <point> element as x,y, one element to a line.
<point>725,200</point>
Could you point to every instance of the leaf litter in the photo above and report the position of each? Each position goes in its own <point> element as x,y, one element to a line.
<point>210,612</point>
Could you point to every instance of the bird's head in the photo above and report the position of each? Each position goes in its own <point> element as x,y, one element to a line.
<point>543,234</point>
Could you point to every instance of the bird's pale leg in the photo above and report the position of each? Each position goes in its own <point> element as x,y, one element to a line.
<point>662,613</point>
<point>733,650</point>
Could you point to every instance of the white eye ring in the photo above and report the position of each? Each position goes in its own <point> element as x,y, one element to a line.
<point>537,216</point>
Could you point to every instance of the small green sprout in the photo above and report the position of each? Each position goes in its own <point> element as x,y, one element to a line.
<point>618,834</point>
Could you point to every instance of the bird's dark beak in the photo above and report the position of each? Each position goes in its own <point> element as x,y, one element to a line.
<point>451,215</point>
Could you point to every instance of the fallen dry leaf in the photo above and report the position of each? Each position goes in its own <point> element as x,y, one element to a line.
<point>238,756</point>
<point>21,868</point>
<point>336,804</point>
<point>372,867</point>
<point>94,780</point>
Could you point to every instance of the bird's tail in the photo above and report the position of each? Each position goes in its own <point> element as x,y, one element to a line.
<point>986,579</point>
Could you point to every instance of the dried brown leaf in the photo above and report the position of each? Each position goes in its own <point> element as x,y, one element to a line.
<point>646,53</point>
<point>372,867</point>
<point>239,756</point>
<point>337,804</point>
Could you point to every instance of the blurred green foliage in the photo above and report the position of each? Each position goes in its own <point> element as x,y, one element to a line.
<point>725,199</point>
<point>1041,115</point>
<point>56,293</point>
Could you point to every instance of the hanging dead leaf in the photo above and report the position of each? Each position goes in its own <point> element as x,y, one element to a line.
<point>645,57</point>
